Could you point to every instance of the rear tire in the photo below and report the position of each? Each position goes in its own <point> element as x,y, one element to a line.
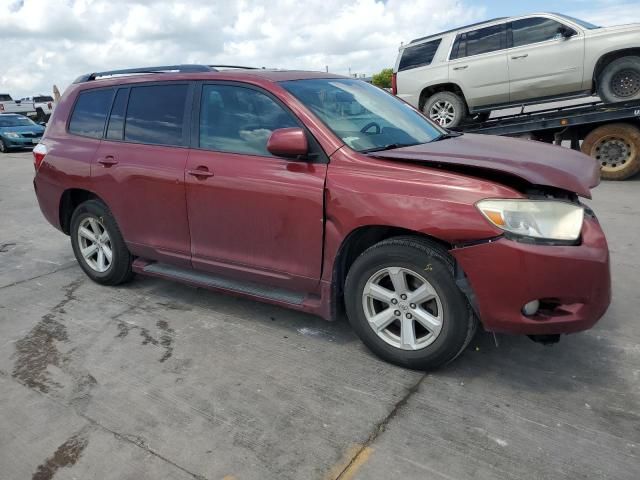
<point>620,80</point>
<point>438,329</point>
<point>98,244</point>
<point>447,109</point>
<point>616,147</point>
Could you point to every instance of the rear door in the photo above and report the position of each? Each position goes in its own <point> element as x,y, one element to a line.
<point>139,168</point>
<point>478,64</point>
<point>252,215</point>
<point>542,62</point>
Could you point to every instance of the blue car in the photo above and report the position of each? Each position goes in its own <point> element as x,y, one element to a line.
<point>17,131</point>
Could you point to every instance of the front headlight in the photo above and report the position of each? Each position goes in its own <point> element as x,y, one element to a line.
<point>12,135</point>
<point>545,219</point>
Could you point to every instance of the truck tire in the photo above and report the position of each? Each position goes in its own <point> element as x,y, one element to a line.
<point>616,147</point>
<point>403,302</point>
<point>446,109</point>
<point>620,80</point>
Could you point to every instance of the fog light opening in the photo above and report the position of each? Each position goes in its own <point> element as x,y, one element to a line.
<point>531,308</point>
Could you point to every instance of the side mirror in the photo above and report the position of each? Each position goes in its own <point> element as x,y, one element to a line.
<point>288,142</point>
<point>566,32</point>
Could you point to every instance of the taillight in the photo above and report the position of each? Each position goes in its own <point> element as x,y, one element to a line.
<point>394,83</point>
<point>1,107</point>
<point>39,152</point>
<point>49,105</point>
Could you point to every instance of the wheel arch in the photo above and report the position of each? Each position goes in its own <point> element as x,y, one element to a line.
<point>69,201</point>
<point>356,242</point>
<point>609,57</point>
<point>440,87</point>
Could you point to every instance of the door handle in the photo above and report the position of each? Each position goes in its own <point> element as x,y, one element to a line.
<point>200,172</point>
<point>516,57</point>
<point>108,161</point>
<point>461,68</point>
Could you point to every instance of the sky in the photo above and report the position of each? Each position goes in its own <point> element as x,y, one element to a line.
<point>46,42</point>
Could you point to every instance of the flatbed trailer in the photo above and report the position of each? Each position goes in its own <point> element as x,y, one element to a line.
<point>610,133</point>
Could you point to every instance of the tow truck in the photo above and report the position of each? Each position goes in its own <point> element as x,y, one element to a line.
<point>610,133</point>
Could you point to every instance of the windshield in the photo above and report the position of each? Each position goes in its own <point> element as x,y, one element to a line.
<point>582,23</point>
<point>365,117</point>
<point>15,122</point>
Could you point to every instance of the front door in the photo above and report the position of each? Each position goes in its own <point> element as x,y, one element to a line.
<point>543,62</point>
<point>479,66</point>
<point>252,216</point>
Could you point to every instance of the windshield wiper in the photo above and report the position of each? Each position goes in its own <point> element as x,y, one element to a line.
<point>389,146</point>
<point>446,135</point>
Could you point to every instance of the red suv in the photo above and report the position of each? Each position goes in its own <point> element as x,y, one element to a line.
<point>319,192</point>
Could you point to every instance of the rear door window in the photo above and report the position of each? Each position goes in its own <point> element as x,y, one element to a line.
<point>90,113</point>
<point>418,55</point>
<point>156,114</point>
<point>477,42</point>
<point>535,30</point>
<point>239,120</point>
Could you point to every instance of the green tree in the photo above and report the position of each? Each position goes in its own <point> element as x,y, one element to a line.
<point>383,79</point>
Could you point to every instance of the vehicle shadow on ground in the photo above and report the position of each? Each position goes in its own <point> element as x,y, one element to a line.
<point>518,362</point>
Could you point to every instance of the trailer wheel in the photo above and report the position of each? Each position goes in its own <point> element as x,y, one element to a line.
<point>616,147</point>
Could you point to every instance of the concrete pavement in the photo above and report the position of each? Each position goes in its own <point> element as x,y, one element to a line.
<point>159,380</point>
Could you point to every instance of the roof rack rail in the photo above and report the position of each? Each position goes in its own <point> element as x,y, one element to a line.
<point>415,40</point>
<point>162,69</point>
<point>235,66</point>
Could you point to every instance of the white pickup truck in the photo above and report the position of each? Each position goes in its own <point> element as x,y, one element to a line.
<point>8,105</point>
<point>43,105</point>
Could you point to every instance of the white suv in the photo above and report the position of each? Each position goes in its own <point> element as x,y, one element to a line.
<point>516,61</point>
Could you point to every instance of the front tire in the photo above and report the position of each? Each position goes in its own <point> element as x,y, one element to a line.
<point>446,109</point>
<point>403,302</point>
<point>620,80</point>
<point>3,147</point>
<point>98,244</point>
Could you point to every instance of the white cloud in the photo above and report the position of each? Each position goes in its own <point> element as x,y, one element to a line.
<point>53,41</point>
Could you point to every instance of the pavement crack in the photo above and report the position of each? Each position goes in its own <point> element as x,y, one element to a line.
<point>26,280</point>
<point>360,454</point>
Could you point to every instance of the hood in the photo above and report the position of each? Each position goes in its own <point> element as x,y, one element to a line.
<point>534,162</point>
<point>615,28</point>
<point>23,129</point>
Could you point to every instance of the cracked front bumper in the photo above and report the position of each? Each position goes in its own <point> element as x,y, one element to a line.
<point>573,283</point>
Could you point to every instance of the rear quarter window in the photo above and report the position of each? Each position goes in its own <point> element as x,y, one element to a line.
<point>90,113</point>
<point>418,55</point>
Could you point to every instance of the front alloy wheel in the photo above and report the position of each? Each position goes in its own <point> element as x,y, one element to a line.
<point>402,308</point>
<point>403,302</point>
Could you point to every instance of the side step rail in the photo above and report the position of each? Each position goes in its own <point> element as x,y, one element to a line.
<point>207,280</point>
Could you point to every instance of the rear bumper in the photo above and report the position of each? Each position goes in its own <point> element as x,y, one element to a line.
<point>574,282</point>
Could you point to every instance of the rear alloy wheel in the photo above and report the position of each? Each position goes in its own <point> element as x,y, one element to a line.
<point>620,80</point>
<point>404,304</point>
<point>446,109</point>
<point>616,148</point>
<point>98,244</point>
